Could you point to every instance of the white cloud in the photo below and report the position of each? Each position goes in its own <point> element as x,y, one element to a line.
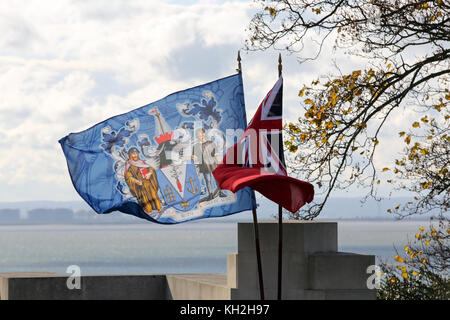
<point>66,65</point>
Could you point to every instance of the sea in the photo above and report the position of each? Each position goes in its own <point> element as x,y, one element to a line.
<point>146,248</point>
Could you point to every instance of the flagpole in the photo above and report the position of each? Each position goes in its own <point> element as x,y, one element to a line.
<point>255,223</point>
<point>239,69</point>
<point>280,218</point>
<point>258,255</point>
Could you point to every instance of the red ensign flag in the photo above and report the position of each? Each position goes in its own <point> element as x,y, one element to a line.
<point>257,160</point>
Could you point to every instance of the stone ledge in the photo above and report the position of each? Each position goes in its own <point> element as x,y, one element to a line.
<point>232,275</point>
<point>43,286</point>
<point>198,287</point>
<point>338,270</point>
<point>298,236</point>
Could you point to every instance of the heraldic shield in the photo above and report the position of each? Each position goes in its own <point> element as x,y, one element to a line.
<point>183,193</point>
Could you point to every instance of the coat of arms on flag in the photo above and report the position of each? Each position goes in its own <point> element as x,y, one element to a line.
<point>156,162</point>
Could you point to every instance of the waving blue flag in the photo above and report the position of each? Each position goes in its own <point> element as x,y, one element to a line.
<point>156,162</point>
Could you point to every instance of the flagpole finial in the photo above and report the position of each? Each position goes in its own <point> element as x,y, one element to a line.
<point>239,69</point>
<point>280,65</point>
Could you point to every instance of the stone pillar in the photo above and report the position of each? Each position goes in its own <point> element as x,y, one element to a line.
<point>312,266</point>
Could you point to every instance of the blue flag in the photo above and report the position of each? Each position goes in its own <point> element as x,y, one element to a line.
<point>156,162</point>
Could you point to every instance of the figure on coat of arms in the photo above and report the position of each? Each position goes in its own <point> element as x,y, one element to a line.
<point>206,157</point>
<point>141,180</point>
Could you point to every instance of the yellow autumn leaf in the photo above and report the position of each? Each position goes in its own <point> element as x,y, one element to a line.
<point>272,11</point>
<point>416,125</point>
<point>385,169</point>
<point>300,94</point>
<point>303,137</point>
<point>426,185</point>
<point>329,125</point>
<point>309,101</point>
<point>356,73</point>
<point>408,139</point>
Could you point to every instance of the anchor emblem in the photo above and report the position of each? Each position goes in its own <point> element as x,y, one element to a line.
<point>194,188</point>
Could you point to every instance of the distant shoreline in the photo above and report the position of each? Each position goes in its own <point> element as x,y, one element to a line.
<point>79,213</point>
<point>99,222</point>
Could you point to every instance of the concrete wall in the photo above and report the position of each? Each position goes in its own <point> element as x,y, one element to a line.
<point>41,286</point>
<point>198,287</point>
<point>312,267</point>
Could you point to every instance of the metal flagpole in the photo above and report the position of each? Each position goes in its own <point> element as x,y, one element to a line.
<point>258,255</point>
<point>280,218</point>
<point>255,223</point>
<point>239,69</point>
